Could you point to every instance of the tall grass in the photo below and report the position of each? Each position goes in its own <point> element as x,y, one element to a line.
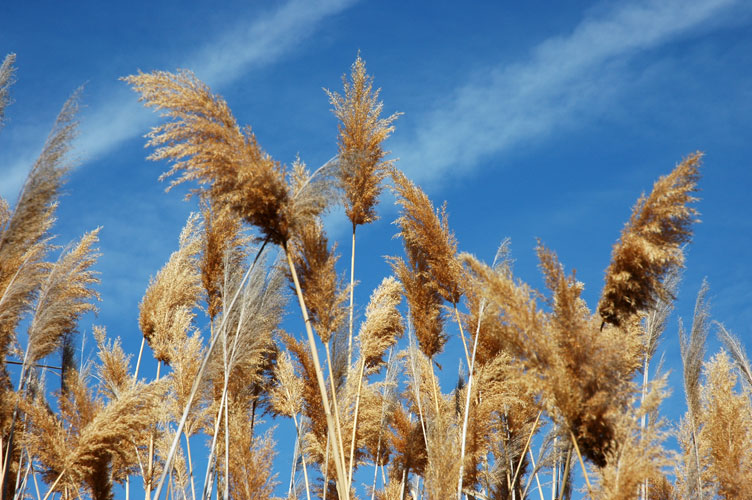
<point>558,400</point>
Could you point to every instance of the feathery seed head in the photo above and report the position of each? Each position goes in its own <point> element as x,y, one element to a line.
<point>650,244</point>
<point>361,133</point>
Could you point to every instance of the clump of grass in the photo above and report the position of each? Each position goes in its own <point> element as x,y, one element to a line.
<point>543,369</point>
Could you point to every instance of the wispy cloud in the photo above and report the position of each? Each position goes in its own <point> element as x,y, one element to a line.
<point>565,79</point>
<point>119,117</point>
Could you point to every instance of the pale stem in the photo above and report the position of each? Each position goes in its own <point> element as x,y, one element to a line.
<point>291,490</point>
<point>342,487</point>
<point>352,293</point>
<point>582,464</point>
<point>212,448</point>
<point>335,408</point>
<point>462,334</point>
<point>39,496</point>
<point>302,457</point>
<point>563,487</point>
<point>471,370</point>
<point>524,450</point>
<point>530,480</point>
<point>150,464</point>
<point>355,419</point>
<point>52,488</point>
<point>190,465</point>
<point>326,466</point>
<point>138,361</point>
<point>643,419</point>
<point>199,375</point>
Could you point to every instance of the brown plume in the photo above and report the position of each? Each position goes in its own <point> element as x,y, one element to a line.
<point>650,244</point>
<point>166,310</point>
<point>7,78</point>
<point>64,296</point>
<point>361,132</point>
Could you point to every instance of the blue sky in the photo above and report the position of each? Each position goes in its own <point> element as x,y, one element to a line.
<point>531,119</point>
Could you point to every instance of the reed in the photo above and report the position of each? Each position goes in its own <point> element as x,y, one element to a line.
<point>556,394</point>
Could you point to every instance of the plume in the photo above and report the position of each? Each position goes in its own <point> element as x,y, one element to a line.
<point>737,353</point>
<point>63,297</point>
<point>361,133</point>
<point>205,144</point>
<point>324,291</point>
<point>82,440</point>
<point>427,237</point>
<point>114,368</point>
<point>650,244</point>
<point>24,233</point>
<point>221,234</point>
<point>7,78</point>
<point>383,325</point>
<point>725,437</point>
<point>166,310</point>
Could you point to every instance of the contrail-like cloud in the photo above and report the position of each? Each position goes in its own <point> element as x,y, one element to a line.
<point>119,117</point>
<point>565,79</point>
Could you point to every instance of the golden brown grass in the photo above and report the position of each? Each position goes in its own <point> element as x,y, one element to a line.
<point>556,395</point>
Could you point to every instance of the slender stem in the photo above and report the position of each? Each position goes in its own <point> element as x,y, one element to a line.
<point>403,484</point>
<point>643,419</point>
<point>326,466</point>
<point>462,334</point>
<point>21,386</point>
<point>355,420</point>
<point>199,375</point>
<point>342,487</point>
<point>335,407</point>
<point>150,464</point>
<point>555,471</point>
<point>227,450</point>
<point>291,489</point>
<point>471,369</point>
<point>140,355</point>
<point>190,465</point>
<point>564,478</point>
<point>213,446</point>
<point>37,365</point>
<point>582,464</point>
<point>524,450</point>
<point>352,293</point>
<point>302,457</point>
<point>537,479</point>
<point>52,488</point>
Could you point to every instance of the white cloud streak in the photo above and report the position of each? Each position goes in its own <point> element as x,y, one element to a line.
<point>120,117</point>
<point>562,80</point>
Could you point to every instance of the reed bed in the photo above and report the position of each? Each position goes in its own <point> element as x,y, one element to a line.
<point>558,400</point>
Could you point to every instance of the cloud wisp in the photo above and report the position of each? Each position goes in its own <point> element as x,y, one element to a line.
<point>118,117</point>
<point>566,78</point>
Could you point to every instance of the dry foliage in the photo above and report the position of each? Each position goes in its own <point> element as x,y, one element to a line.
<point>361,132</point>
<point>556,395</point>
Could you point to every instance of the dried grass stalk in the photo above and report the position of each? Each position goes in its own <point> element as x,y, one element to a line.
<point>361,134</point>
<point>650,245</point>
<point>7,78</point>
<point>726,430</point>
<point>64,296</point>
<point>205,144</point>
<point>166,310</point>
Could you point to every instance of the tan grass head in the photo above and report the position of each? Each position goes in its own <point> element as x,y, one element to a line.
<point>166,310</point>
<point>206,145</point>
<point>362,131</point>
<point>650,244</point>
